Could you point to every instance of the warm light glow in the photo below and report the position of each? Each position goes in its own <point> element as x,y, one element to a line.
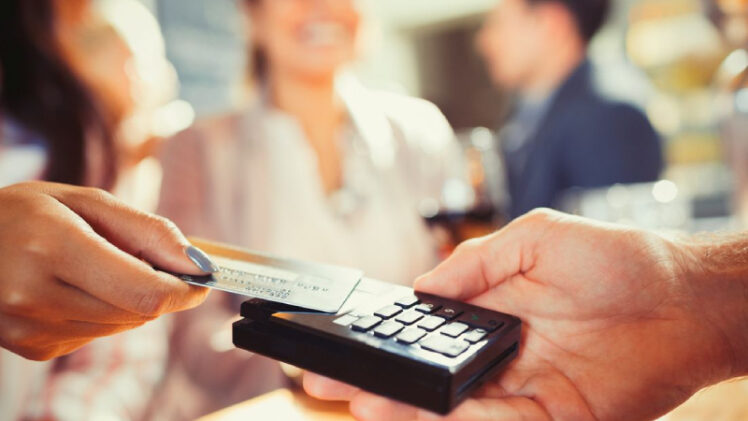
<point>664,191</point>
<point>741,100</point>
<point>736,62</point>
<point>618,196</point>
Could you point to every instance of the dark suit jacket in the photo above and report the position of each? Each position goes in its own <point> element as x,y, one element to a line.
<point>582,141</point>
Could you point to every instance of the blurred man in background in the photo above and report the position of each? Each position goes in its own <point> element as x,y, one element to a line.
<point>562,133</point>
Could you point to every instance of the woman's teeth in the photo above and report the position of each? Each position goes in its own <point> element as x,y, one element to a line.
<point>322,33</point>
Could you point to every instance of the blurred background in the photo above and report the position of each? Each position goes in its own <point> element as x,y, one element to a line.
<point>684,63</point>
<point>681,61</point>
<point>173,77</point>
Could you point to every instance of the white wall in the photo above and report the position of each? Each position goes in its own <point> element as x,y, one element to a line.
<point>389,59</point>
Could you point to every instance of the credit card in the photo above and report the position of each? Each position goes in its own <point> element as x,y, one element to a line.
<point>312,286</point>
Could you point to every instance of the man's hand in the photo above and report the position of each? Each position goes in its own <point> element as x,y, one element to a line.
<point>71,268</point>
<point>614,328</point>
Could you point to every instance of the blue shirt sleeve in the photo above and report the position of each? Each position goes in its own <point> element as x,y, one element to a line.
<point>613,144</point>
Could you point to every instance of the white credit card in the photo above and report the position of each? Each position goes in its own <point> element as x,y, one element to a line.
<point>308,285</point>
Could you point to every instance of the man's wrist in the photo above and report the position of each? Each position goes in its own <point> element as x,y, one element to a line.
<point>715,270</point>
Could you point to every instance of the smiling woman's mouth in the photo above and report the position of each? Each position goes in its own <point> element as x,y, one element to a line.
<point>323,34</point>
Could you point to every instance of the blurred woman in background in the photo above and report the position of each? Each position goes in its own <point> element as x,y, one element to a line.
<point>50,118</point>
<point>58,123</point>
<point>317,167</point>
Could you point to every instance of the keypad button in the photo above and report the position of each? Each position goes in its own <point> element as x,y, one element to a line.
<point>407,301</point>
<point>444,345</point>
<point>387,329</point>
<point>448,313</point>
<point>474,335</point>
<point>410,335</point>
<point>409,317</point>
<point>454,329</point>
<point>431,322</point>
<point>387,312</point>
<point>481,321</point>
<point>345,320</point>
<point>365,323</point>
<point>427,308</point>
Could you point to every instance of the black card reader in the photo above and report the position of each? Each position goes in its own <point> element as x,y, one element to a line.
<point>417,348</point>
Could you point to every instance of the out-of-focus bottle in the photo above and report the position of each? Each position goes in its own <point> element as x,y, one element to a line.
<point>471,204</point>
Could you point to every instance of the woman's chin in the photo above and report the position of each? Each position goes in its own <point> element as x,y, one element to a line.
<point>321,69</point>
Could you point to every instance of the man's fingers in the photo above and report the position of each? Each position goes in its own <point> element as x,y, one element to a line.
<point>475,267</point>
<point>504,409</point>
<point>459,277</point>
<point>483,263</point>
<point>322,387</point>
<point>369,407</point>
<point>152,238</point>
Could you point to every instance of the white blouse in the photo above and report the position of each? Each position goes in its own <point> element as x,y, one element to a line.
<point>252,180</point>
<point>371,224</point>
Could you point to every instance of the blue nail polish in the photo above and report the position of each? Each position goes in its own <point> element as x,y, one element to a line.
<point>201,259</point>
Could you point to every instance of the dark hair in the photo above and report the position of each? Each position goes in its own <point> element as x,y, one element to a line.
<point>590,15</point>
<point>258,63</point>
<point>258,60</point>
<point>40,91</point>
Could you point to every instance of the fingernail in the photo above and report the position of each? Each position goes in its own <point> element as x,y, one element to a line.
<point>200,259</point>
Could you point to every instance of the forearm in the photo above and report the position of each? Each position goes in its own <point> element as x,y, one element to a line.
<point>717,274</point>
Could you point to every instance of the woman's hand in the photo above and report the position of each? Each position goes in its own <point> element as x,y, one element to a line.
<point>615,327</point>
<point>73,268</point>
